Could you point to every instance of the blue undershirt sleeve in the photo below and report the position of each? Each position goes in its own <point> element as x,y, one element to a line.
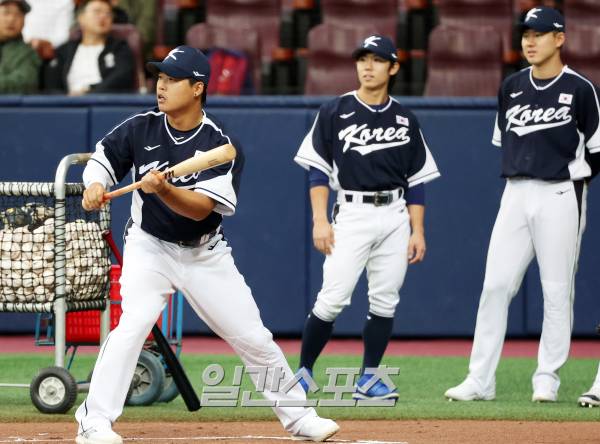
<point>416,195</point>
<point>317,177</point>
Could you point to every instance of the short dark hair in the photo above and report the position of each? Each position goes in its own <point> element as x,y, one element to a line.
<point>84,4</point>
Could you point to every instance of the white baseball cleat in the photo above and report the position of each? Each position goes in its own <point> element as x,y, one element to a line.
<point>545,390</point>
<point>591,398</point>
<point>316,429</point>
<point>93,436</point>
<point>469,391</point>
<point>544,396</point>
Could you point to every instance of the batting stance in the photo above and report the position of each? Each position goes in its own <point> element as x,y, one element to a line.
<point>548,126</point>
<point>174,240</point>
<point>371,150</point>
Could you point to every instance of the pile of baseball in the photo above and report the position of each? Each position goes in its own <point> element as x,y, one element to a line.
<point>27,264</point>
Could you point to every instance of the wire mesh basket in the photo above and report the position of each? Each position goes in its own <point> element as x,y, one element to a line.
<point>28,247</point>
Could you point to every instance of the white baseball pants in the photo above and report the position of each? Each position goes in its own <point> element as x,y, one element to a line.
<point>365,235</point>
<point>212,285</point>
<point>545,220</point>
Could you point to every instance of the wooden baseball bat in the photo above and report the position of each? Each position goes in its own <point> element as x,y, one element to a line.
<point>177,372</point>
<point>209,159</point>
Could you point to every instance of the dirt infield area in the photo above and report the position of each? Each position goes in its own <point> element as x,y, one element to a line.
<point>366,432</point>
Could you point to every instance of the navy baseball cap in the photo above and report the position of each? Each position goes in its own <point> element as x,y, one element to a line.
<point>183,62</point>
<point>377,44</point>
<point>22,4</point>
<point>543,19</point>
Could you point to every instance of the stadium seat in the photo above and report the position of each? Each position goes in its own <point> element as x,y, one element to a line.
<point>495,13</point>
<point>381,14</point>
<point>262,15</point>
<point>239,38</point>
<point>581,12</point>
<point>330,68</point>
<point>582,50</point>
<point>464,61</point>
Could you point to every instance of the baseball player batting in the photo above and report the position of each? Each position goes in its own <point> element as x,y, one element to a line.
<point>371,150</point>
<point>548,126</point>
<point>174,240</point>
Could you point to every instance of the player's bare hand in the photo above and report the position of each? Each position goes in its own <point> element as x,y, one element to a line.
<point>153,182</point>
<point>416,247</point>
<point>93,197</point>
<point>323,236</point>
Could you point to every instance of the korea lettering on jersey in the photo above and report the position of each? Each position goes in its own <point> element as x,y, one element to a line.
<point>146,142</point>
<point>365,149</point>
<point>548,132</point>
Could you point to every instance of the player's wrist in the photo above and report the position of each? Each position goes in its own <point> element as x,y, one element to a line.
<point>166,189</point>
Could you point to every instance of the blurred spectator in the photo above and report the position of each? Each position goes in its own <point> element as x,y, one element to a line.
<point>47,25</point>
<point>94,63</point>
<point>142,14</point>
<point>19,63</point>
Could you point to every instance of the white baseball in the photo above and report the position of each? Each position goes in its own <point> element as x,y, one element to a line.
<point>30,280</point>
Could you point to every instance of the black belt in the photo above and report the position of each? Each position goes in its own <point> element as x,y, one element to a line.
<point>378,199</point>
<point>197,242</point>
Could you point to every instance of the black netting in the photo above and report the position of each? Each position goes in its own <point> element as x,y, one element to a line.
<point>28,246</point>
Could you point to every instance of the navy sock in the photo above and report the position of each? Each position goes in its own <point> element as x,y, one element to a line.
<point>316,334</point>
<point>376,335</point>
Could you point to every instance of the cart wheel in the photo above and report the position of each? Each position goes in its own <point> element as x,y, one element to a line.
<point>170,391</point>
<point>129,392</point>
<point>53,390</point>
<point>148,380</point>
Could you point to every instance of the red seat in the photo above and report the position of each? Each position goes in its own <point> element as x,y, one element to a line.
<point>239,38</point>
<point>582,50</point>
<point>495,13</point>
<point>381,14</point>
<point>263,16</point>
<point>331,69</point>
<point>581,12</point>
<point>464,61</point>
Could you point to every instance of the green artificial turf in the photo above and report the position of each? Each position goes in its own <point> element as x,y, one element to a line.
<point>421,385</point>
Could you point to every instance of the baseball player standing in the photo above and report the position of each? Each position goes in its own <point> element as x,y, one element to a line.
<point>548,126</point>
<point>174,240</point>
<point>371,150</point>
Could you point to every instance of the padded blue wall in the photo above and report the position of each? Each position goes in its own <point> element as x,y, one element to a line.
<point>271,231</point>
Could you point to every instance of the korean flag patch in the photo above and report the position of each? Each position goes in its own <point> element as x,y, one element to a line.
<point>400,120</point>
<point>565,99</point>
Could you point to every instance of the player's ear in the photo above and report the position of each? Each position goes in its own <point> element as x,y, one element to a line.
<point>394,68</point>
<point>559,38</point>
<point>198,89</point>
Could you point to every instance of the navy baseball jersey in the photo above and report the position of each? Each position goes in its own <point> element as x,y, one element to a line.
<point>548,130</point>
<point>366,148</point>
<point>147,142</point>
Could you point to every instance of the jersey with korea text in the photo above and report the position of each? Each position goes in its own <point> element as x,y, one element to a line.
<point>548,132</point>
<point>145,142</point>
<point>362,148</point>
